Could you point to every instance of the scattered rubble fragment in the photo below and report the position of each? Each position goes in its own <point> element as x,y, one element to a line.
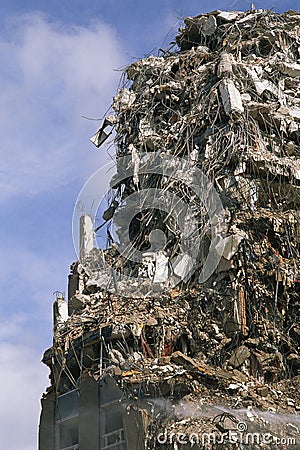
<point>196,357</point>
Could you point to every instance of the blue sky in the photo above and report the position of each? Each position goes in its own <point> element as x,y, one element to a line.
<point>58,61</point>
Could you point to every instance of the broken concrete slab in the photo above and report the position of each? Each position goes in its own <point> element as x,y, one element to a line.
<point>239,356</point>
<point>231,97</point>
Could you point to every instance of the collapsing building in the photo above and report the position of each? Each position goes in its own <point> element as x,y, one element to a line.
<point>154,351</point>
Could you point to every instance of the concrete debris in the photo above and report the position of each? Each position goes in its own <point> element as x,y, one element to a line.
<point>101,136</point>
<point>225,65</point>
<point>290,69</point>
<point>161,268</point>
<point>60,311</point>
<point>183,266</point>
<point>160,352</point>
<point>228,16</point>
<point>239,356</point>
<point>231,99</point>
<point>86,235</point>
<point>124,100</point>
<point>208,25</point>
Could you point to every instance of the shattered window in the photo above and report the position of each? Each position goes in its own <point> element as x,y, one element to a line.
<point>114,436</point>
<point>67,405</point>
<point>67,421</point>
<point>68,431</point>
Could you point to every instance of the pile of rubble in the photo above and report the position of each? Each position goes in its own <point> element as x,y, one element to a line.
<point>226,99</point>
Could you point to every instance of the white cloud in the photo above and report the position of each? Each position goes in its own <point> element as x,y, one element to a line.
<point>22,382</point>
<point>11,326</point>
<point>50,76</point>
<point>27,279</point>
<point>31,272</point>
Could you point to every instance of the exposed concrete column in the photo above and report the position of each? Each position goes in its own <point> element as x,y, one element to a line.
<point>47,423</point>
<point>60,311</point>
<point>86,236</point>
<point>88,414</point>
<point>135,422</point>
<point>73,284</point>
